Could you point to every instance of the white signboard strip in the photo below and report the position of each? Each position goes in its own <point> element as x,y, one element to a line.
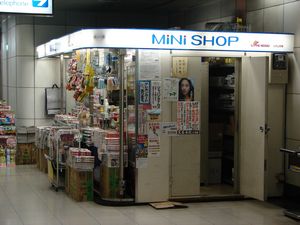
<point>27,6</point>
<point>173,39</point>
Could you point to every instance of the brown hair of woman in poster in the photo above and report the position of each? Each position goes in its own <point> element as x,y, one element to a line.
<point>186,90</point>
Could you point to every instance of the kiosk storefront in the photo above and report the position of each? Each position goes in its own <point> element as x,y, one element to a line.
<point>200,113</point>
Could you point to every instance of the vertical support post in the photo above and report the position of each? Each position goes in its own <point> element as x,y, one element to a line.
<point>62,83</point>
<point>240,10</point>
<point>91,107</point>
<point>122,53</point>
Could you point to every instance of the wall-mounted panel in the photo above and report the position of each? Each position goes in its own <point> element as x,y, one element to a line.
<point>25,71</point>
<point>12,72</point>
<point>255,20</point>
<point>291,20</point>
<point>24,40</point>
<point>25,103</point>
<point>294,72</point>
<point>293,118</point>
<point>273,19</point>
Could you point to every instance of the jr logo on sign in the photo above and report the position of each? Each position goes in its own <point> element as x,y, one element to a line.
<point>40,3</point>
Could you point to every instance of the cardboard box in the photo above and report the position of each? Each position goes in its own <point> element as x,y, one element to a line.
<point>26,134</point>
<point>80,185</point>
<point>22,130</point>
<point>37,155</point>
<point>25,154</point>
<point>30,138</point>
<point>109,182</point>
<point>31,130</point>
<point>112,159</point>
<point>67,179</point>
<point>22,138</point>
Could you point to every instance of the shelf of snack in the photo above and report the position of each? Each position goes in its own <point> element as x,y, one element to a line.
<point>66,120</point>
<point>94,78</point>
<point>79,174</point>
<point>8,142</point>
<point>69,166</point>
<point>82,148</point>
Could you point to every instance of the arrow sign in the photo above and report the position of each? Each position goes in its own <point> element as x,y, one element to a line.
<point>40,3</point>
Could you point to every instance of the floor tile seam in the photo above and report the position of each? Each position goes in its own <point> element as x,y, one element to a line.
<point>90,214</point>
<point>192,214</point>
<point>130,219</point>
<point>43,201</point>
<point>13,207</point>
<point>121,213</point>
<point>5,195</point>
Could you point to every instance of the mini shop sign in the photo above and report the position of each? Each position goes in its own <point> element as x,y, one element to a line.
<point>40,7</point>
<point>171,40</point>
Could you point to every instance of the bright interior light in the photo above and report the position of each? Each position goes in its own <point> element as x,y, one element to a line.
<point>41,51</point>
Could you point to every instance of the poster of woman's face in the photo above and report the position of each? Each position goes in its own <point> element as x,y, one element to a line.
<point>186,90</point>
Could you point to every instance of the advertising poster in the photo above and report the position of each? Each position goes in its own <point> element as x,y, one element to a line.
<point>142,151</point>
<point>188,117</point>
<point>180,66</point>
<point>153,115</point>
<point>155,94</point>
<point>142,118</point>
<point>149,65</point>
<point>170,89</point>
<point>169,128</point>
<point>144,92</point>
<point>153,139</point>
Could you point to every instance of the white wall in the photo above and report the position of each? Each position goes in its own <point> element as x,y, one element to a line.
<point>209,11</point>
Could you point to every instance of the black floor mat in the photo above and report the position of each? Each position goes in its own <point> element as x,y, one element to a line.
<point>286,203</point>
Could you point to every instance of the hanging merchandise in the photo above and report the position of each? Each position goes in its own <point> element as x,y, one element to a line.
<point>112,84</point>
<point>101,84</point>
<point>155,94</point>
<point>154,133</point>
<point>170,89</point>
<point>81,75</point>
<point>73,79</point>
<point>188,117</point>
<point>149,65</point>
<point>144,92</point>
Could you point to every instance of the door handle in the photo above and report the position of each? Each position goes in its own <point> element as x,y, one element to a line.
<point>265,129</point>
<point>261,129</point>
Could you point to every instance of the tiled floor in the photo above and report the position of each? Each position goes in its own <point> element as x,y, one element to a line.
<point>25,199</point>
